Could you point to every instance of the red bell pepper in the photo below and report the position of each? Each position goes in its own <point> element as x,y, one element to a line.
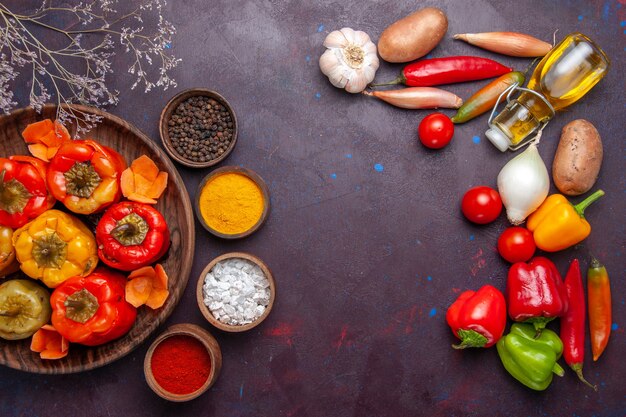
<point>448,70</point>
<point>92,310</point>
<point>131,235</point>
<point>85,176</point>
<point>573,322</point>
<point>535,292</point>
<point>478,317</point>
<point>23,191</point>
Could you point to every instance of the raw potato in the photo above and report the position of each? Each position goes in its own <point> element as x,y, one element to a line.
<point>578,158</point>
<point>413,36</point>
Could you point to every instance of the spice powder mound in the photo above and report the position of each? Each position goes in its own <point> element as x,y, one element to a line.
<point>181,364</point>
<point>231,203</point>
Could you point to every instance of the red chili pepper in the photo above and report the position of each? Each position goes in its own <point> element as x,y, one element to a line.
<point>478,317</point>
<point>599,297</point>
<point>448,70</point>
<point>131,235</point>
<point>573,322</point>
<point>535,292</point>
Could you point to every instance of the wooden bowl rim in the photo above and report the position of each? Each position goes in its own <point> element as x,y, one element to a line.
<point>207,340</point>
<point>166,113</point>
<point>206,312</point>
<point>184,277</point>
<point>236,170</point>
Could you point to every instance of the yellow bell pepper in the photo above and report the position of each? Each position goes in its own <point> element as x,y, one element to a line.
<point>54,247</point>
<point>558,224</point>
<point>8,263</point>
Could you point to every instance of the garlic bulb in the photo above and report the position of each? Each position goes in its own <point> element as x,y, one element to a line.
<point>350,61</point>
<point>523,184</point>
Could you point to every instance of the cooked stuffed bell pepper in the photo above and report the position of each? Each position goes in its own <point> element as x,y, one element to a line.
<point>23,191</point>
<point>54,247</point>
<point>92,310</point>
<point>85,176</point>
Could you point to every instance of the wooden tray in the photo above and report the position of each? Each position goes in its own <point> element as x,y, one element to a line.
<point>176,208</point>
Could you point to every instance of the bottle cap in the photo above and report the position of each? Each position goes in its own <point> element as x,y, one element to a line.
<point>498,138</point>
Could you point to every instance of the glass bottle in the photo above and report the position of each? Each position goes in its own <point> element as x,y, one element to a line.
<point>562,77</point>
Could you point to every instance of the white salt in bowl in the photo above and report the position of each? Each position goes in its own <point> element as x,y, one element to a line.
<point>206,312</point>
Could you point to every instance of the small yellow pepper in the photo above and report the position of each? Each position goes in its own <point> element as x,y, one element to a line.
<point>54,247</point>
<point>558,224</point>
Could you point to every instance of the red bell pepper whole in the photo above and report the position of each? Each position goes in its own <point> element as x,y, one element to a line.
<point>448,70</point>
<point>535,292</point>
<point>573,322</point>
<point>92,310</point>
<point>478,318</point>
<point>23,190</point>
<point>131,235</point>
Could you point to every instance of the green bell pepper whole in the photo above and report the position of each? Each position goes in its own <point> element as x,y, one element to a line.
<point>531,361</point>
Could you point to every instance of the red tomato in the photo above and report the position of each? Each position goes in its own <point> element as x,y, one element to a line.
<point>516,244</point>
<point>436,130</point>
<point>481,205</point>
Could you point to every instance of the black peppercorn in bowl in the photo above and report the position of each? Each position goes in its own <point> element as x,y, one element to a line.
<point>198,128</point>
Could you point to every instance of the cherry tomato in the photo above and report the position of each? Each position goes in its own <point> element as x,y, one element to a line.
<point>436,130</point>
<point>516,244</point>
<point>481,205</point>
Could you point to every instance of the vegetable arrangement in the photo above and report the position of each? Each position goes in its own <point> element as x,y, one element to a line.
<point>80,302</point>
<point>535,292</point>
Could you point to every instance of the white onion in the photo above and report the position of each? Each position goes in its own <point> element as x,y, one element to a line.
<point>523,184</point>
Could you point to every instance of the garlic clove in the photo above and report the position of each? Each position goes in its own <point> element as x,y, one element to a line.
<point>328,61</point>
<point>335,39</point>
<point>361,38</point>
<point>371,61</point>
<point>370,50</point>
<point>340,75</point>
<point>348,33</point>
<point>369,72</point>
<point>357,82</point>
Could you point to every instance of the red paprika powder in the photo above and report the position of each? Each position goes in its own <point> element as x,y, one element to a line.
<point>181,364</point>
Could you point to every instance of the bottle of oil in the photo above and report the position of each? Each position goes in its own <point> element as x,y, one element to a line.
<point>562,77</point>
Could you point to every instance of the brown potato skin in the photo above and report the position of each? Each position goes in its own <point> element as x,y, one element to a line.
<point>413,36</point>
<point>578,158</point>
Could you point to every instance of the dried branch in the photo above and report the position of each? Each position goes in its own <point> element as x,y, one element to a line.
<point>53,70</point>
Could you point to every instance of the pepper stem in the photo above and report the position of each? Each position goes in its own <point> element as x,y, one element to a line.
<point>401,79</point>
<point>595,263</point>
<point>469,339</point>
<point>539,323</point>
<point>558,370</point>
<point>81,306</point>
<point>580,207</point>
<point>578,368</point>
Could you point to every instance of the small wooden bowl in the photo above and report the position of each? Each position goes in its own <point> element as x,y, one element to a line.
<point>197,332</point>
<point>248,173</point>
<point>205,310</point>
<point>166,114</point>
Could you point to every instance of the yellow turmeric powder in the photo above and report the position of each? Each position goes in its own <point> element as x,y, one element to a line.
<point>231,203</point>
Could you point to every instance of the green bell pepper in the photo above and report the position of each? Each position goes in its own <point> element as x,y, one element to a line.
<point>531,361</point>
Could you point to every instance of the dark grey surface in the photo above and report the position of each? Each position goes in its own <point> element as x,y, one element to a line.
<point>366,262</point>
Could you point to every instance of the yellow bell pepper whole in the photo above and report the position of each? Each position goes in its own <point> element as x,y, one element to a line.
<point>54,247</point>
<point>558,224</point>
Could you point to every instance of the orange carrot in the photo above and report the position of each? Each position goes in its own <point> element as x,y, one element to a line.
<point>142,181</point>
<point>49,343</point>
<point>599,304</point>
<point>147,286</point>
